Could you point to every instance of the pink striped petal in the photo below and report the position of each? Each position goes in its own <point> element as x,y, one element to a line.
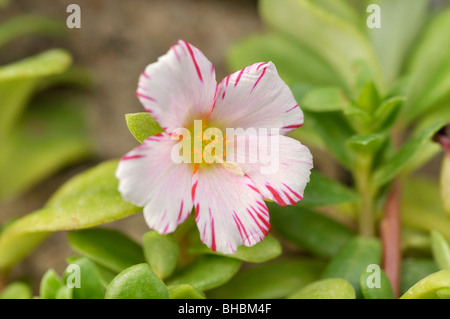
<point>286,183</point>
<point>256,97</point>
<point>179,87</point>
<point>229,210</point>
<point>149,178</point>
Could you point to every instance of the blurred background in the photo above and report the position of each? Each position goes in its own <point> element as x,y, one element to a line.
<point>117,39</point>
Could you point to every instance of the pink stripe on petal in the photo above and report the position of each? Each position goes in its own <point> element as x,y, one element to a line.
<point>128,157</point>
<point>239,77</point>
<point>277,196</point>
<point>174,49</point>
<point>295,193</point>
<point>292,126</point>
<point>257,81</point>
<point>293,108</point>
<point>145,97</point>
<point>213,236</point>
<point>228,79</point>
<point>194,60</point>
<point>289,198</point>
<point>223,95</point>
<point>260,65</point>
<point>145,75</point>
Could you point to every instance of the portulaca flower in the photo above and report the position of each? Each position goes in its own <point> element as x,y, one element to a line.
<point>227,197</point>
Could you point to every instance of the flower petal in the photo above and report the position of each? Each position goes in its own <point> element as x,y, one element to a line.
<point>148,177</point>
<point>179,87</point>
<point>283,176</point>
<point>229,210</point>
<point>256,97</point>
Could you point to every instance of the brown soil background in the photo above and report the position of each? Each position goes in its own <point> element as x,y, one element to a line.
<point>116,41</point>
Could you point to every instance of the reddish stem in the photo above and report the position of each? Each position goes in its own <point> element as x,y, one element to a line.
<point>390,229</point>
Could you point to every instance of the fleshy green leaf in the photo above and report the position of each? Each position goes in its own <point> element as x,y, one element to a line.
<point>91,286</point>
<point>207,272</point>
<point>137,282</point>
<point>109,248</point>
<point>334,131</point>
<point>185,291</point>
<point>266,250</point>
<point>64,292</point>
<point>401,20</point>
<point>369,287</point>
<point>275,279</point>
<point>142,125</point>
<point>16,290</point>
<point>319,185</point>
<point>386,114</point>
<point>50,284</point>
<point>414,270</point>
<point>48,138</point>
<point>429,68</point>
<point>441,250</point>
<point>30,24</point>
<point>310,230</point>
<point>87,200</point>
<point>294,62</point>
<point>326,289</point>
<point>366,144</point>
<point>326,99</point>
<point>161,253</point>
<point>313,26</point>
<point>396,163</point>
<point>428,287</point>
<point>353,259</point>
<point>50,62</point>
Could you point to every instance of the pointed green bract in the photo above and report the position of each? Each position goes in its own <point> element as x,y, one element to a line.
<point>142,125</point>
<point>90,284</point>
<point>376,288</point>
<point>51,282</point>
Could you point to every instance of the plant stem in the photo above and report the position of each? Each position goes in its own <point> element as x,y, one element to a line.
<point>366,209</point>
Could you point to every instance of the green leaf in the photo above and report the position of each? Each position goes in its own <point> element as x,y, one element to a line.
<point>87,200</point>
<point>109,248</point>
<point>50,62</point>
<point>414,270</point>
<point>443,293</point>
<point>372,290</point>
<point>429,68</point>
<point>401,21</point>
<point>16,290</point>
<point>428,287</point>
<point>275,279</point>
<point>90,283</point>
<point>48,138</point>
<point>341,8</point>
<point>161,253</point>
<point>326,99</point>
<point>207,272</point>
<point>319,185</point>
<point>393,165</point>
<point>353,259</point>
<point>310,230</point>
<point>185,291</point>
<point>386,114</point>
<point>326,289</point>
<point>64,292</point>
<point>440,249</point>
<point>334,131</point>
<point>30,24</point>
<point>50,284</point>
<point>313,26</point>
<point>294,61</point>
<point>366,144</point>
<point>142,125</point>
<point>137,282</point>
<point>266,250</point>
